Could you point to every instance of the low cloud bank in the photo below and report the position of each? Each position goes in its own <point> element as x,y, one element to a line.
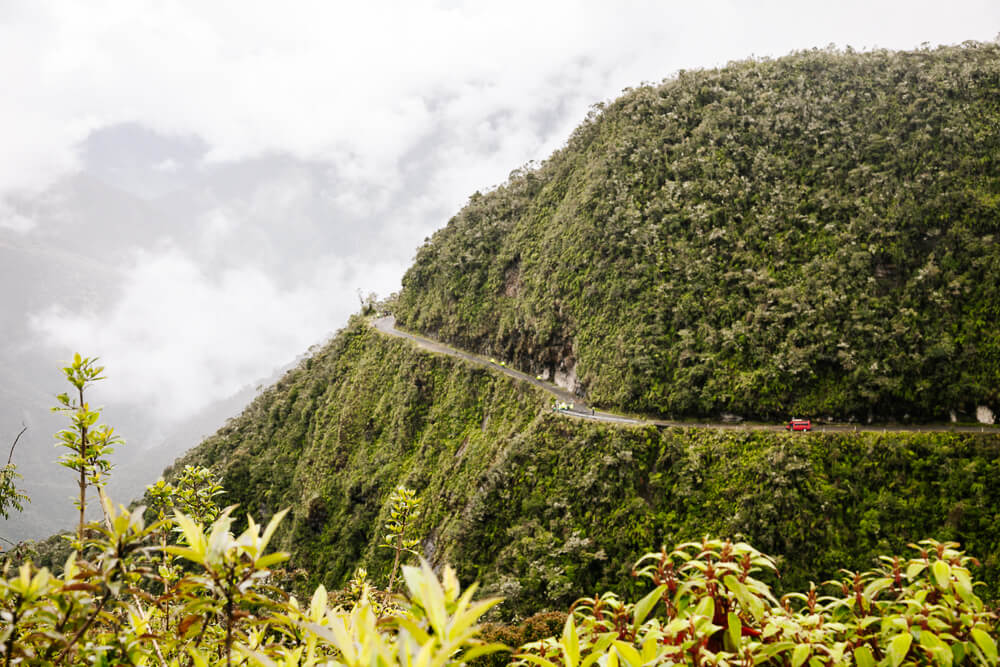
<point>179,337</point>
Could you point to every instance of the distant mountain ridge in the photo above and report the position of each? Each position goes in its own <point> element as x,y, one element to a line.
<point>817,234</point>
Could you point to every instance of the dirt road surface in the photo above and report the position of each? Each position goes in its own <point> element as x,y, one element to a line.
<point>387,326</point>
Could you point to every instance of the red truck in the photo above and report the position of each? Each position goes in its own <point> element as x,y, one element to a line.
<point>799,425</point>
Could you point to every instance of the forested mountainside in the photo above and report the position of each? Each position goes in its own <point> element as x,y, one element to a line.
<point>813,235</point>
<point>542,508</point>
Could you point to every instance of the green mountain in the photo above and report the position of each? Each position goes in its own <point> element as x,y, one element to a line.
<point>543,508</point>
<point>814,235</point>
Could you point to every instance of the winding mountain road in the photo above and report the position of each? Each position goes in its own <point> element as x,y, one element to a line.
<point>387,326</point>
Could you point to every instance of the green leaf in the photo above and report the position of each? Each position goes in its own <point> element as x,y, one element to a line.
<point>836,653</point>
<point>771,650</point>
<point>874,588</point>
<point>963,585</point>
<point>733,632</point>
<point>570,642</point>
<point>986,644</point>
<point>942,654</point>
<point>800,654</point>
<point>863,656</point>
<point>534,659</point>
<point>426,589</point>
<point>748,601</point>
<point>958,653</point>
<point>899,647</point>
<point>942,575</point>
<point>272,526</point>
<point>267,561</point>
<point>197,659</point>
<point>598,650</point>
<point>629,653</point>
<point>705,607</point>
<point>468,618</point>
<point>484,649</point>
<point>645,605</point>
<point>914,569</point>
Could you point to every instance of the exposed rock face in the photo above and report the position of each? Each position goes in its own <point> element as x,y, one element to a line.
<point>566,378</point>
<point>984,415</point>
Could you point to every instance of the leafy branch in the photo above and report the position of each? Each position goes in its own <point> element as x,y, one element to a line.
<point>403,509</point>
<point>10,496</point>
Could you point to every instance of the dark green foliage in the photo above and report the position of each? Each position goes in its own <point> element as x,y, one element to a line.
<point>811,235</point>
<point>581,498</point>
<point>338,434</point>
<point>541,508</point>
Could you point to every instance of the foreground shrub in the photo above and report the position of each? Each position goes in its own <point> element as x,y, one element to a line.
<point>221,609</point>
<point>709,608</point>
<point>117,602</point>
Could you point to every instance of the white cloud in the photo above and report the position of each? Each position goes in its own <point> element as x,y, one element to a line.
<point>179,338</point>
<point>217,227</point>
<point>167,165</point>
<point>359,85</point>
<point>14,221</point>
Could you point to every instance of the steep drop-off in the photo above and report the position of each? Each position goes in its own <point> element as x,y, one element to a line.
<point>817,234</point>
<point>542,508</point>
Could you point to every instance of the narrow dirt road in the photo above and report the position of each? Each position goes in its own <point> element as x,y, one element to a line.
<point>387,326</point>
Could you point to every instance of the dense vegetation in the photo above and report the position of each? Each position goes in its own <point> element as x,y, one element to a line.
<point>817,234</point>
<point>173,583</point>
<point>540,508</point>
<point>124,599</point>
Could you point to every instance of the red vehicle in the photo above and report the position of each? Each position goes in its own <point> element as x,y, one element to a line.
<point>799,425</point>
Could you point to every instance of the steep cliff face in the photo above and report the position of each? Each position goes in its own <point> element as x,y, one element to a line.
<point>542,509</point>
<point>816,234</point>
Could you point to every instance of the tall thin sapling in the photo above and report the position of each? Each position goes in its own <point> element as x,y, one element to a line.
<point>89,444</point>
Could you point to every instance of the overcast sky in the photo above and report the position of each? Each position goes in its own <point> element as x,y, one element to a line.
<point>292,153</point>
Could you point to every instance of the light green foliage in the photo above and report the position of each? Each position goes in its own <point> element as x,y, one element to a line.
<point>87,443</point>
<point>159,498</point>
<point>442,617</point>
<point>193,494</point>
<point>707,608</point>
<point>11,498</point>
<point>811,235</point>
<point>222,611</point>
<point>403,509</point>
<point>360,591</point>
